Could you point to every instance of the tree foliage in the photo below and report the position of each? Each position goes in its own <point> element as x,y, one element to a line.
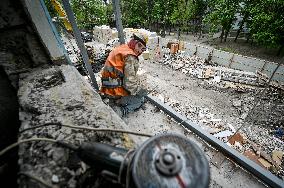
<point>267,22</point>
<point>133,12</point>
<point>263,19</point>
<point>89,12</point>
<point>222,14</point>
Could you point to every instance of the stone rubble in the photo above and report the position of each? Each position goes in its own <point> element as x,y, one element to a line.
<point>198,67</point>
<point>60,94</point>
<point>241,141</point>
<point>213,76</point>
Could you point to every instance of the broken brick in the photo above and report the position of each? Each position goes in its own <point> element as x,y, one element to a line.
<point>236,138</point>
<point>277,156</point>
<point>209,72</point>
<point>174,48</point>
<point>252,156</point>
<point>265,163</point>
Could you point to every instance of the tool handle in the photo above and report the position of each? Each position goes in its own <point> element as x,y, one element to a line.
<point>102,156</point>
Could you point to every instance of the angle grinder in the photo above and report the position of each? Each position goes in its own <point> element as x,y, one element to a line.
<point>166,160</point>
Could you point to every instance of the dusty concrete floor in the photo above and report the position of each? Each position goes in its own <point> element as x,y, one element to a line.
<point>190,92</point>
<point>227,175</point>
<point>199,100</point>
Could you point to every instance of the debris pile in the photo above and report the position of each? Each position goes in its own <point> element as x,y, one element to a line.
<point>59,95</point>
<point>104,33</point>
<point>264,149</point>
<point>202,116</point>
<point>200,68</point>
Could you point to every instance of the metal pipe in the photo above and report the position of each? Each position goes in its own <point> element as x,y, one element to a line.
<point>264,175</point>
<point>80,42</point>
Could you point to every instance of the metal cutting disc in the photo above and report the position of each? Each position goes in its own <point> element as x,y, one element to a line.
<point>170,160</point>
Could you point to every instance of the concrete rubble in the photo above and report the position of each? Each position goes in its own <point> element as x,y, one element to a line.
<point>218,78</point>
<point>60,94</point>
<point>242,141</point>
<point>198,67</point>
<point>195,66</point>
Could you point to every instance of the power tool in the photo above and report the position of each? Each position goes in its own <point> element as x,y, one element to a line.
<point>165,160</point>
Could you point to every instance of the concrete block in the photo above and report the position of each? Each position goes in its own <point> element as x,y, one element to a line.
<point>146,55</point>
<point>220,61</point>
<point>203,51</point>
<point>222,54</point>
<point>189,48</point>
<point>243,66</point>
<point>270,66</point>
<point>256,64</point>
<point>114,34</point>
<point>277,76</point>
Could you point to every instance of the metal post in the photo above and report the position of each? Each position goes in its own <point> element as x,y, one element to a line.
<point>116,8</point>
<point>80,42</point>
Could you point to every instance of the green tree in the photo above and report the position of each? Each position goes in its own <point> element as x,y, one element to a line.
<point>180,15</point>
<point>133,12</point>
<point>267,23</point>
<point>196,13</point>
<point>89,13</point>
<point>244,10</point>
<point>222,14</point>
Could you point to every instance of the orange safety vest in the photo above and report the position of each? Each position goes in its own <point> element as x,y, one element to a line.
<point>113,72</point>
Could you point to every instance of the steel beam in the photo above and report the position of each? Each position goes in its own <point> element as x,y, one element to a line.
<point>264,175</point>
<point>80,42</point>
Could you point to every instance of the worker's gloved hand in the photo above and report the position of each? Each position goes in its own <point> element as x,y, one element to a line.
<point>130,103</point>
<point>142,93</point>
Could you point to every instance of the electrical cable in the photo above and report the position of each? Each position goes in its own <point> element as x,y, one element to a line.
<point>36,179</point>
<point>24,141</point>
<point>88,128</point>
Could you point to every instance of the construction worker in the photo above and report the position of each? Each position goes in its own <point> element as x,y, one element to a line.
<point>119,74</point>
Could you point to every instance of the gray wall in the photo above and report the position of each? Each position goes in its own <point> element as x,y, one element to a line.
<point>42,23</point>
<point>236,61</point>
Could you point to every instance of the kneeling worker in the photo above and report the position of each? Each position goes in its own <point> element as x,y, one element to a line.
<point>119,74</point>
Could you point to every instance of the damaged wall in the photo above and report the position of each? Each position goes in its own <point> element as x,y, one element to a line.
<point>20,50</point>
<point>42,22</point>
<point>20,47</point>
<point>236,61</point>
<point>60,94</point>
<point>47,92</point>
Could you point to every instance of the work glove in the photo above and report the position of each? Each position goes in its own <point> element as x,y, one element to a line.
<point>142,93</point>
<point>130,103</point>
